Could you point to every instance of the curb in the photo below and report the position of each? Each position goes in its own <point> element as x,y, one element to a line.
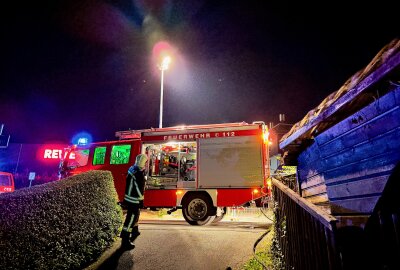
<point>105,255</point>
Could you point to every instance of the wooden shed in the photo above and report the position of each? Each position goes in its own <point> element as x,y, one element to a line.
<point>347,151</point>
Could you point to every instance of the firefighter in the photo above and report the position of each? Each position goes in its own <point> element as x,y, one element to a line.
<point>133,200</point>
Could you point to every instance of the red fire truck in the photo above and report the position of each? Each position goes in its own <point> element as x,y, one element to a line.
<point>201,169</point>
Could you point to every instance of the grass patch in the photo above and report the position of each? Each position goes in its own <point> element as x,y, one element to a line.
<point>268,253</point>
<point>263,254</point>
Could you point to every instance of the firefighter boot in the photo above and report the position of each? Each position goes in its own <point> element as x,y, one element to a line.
<point>135,233</point>
<point>125,242</point>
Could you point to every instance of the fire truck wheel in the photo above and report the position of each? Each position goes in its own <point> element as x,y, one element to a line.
<point>219,218</point>
<point>196,209</point>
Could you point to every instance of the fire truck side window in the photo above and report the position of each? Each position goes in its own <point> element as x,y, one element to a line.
<point>120,154</point>
<point>99,155</point>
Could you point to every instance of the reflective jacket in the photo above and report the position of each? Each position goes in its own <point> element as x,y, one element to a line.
<point>134,189</point>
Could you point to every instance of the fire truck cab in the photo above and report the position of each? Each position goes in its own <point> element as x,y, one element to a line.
<point>202,169</point>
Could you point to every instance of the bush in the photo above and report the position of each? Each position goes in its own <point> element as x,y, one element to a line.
<point>59,225</point>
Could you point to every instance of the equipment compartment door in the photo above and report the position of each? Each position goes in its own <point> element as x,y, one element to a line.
<point>230,162</point>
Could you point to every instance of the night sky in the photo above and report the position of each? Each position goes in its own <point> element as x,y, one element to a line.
<point>71,66</point>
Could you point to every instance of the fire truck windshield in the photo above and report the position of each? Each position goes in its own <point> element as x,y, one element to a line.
<point>76,158</point>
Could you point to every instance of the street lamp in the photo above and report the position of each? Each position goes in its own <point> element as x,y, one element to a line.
<point>164,66</point>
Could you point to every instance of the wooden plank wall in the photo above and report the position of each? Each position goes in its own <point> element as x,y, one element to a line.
<point>310,176</point>
<point>350,163</point>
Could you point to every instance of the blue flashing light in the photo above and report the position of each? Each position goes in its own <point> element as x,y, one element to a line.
<point>82,138</point>
<point>82,141</point>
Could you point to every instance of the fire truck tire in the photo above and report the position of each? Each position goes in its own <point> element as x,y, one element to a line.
<point>219,218</point>
<point>196,210</point>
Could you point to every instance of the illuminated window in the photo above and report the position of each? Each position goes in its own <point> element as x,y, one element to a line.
<point>120,154</point>
<point>99,155</point>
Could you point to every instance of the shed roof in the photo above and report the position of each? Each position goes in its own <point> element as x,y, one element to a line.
<point>350,97</point>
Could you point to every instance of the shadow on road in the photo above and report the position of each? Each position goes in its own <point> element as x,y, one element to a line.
<point>113,261</point>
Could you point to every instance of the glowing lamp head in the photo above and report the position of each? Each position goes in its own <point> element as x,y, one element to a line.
<point>255,191</point>
<point>165,63</point>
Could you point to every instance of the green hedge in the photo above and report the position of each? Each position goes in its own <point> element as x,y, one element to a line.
<point>65,224</point>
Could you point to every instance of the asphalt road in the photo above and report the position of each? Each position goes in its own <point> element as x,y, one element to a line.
<point>173,244</point>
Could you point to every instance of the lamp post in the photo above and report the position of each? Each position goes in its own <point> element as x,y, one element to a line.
<point>164,66</point>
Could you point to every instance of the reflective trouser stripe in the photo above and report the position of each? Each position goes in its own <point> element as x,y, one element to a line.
<point>128,228</point>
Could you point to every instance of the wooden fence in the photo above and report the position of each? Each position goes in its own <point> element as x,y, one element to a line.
<point>306,234</point>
